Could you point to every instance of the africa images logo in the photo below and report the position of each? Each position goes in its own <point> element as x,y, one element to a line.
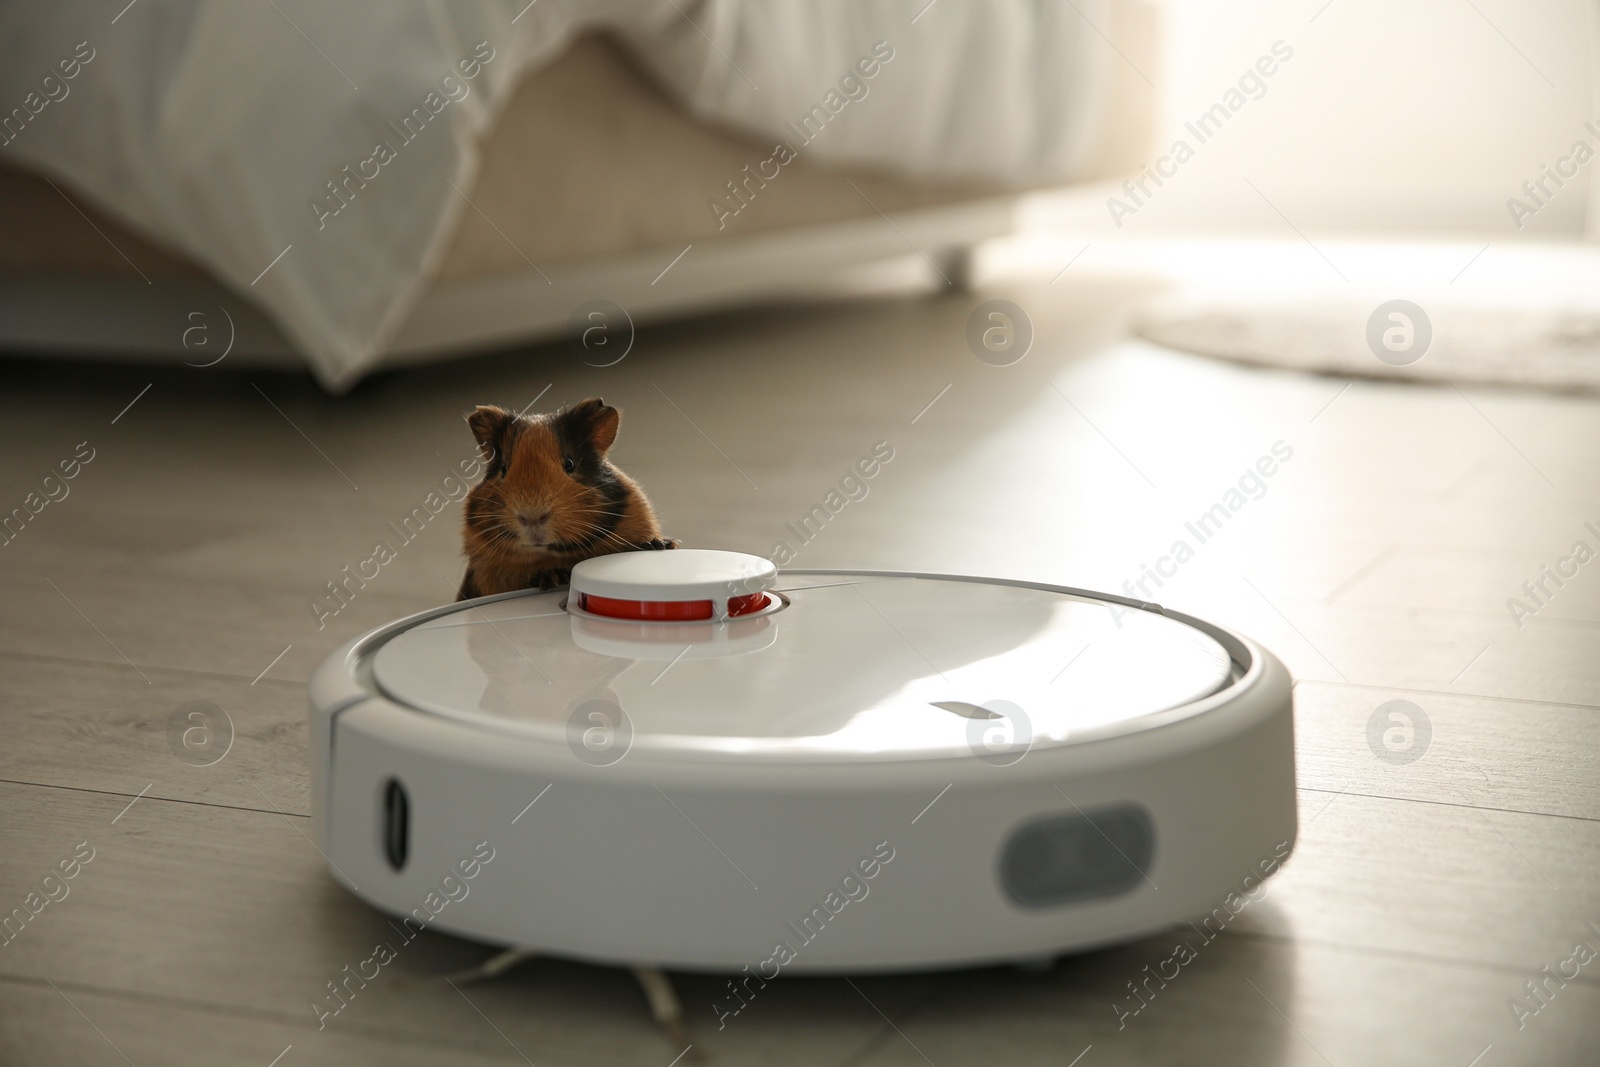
<point>1399,732</point>
<point>1399,333</point>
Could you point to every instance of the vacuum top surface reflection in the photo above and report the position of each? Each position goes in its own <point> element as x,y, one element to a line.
<point>853,667</point>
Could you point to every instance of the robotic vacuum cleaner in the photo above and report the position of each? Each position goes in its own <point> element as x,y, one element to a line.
<point>691,761</point>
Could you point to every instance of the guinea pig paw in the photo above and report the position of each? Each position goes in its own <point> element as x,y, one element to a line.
<point>547,580</point>
<point>659,544</point>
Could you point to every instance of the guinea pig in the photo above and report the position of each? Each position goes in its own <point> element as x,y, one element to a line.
<point>549,498</point>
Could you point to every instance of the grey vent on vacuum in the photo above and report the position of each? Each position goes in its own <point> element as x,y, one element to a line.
<point>1077,857</point>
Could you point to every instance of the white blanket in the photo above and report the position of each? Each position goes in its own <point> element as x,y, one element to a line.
<point>316,156</point>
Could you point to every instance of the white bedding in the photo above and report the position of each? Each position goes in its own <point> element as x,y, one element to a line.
<point>225,127</point>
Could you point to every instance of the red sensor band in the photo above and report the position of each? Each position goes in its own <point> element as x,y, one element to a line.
<point>668,610</point>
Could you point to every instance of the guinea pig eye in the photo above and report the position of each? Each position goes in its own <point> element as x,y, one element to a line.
<point>567,465</point>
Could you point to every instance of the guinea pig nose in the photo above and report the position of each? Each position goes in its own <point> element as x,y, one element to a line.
<point>534,518</point>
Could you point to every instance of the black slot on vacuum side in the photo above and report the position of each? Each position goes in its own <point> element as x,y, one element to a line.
<point>396,823</point>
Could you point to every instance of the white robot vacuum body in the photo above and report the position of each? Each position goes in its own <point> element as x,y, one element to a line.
<point>691,761</point>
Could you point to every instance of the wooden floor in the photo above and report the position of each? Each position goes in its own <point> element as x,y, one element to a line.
<point>1377,563</point>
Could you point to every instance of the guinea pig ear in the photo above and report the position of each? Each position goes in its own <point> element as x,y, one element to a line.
<point>489,425</point>
<point>596,422</point>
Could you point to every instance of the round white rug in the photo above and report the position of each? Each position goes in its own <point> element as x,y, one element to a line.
<point>1437,338</point>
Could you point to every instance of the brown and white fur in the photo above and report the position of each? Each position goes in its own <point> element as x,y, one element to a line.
<point>549,498</point>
